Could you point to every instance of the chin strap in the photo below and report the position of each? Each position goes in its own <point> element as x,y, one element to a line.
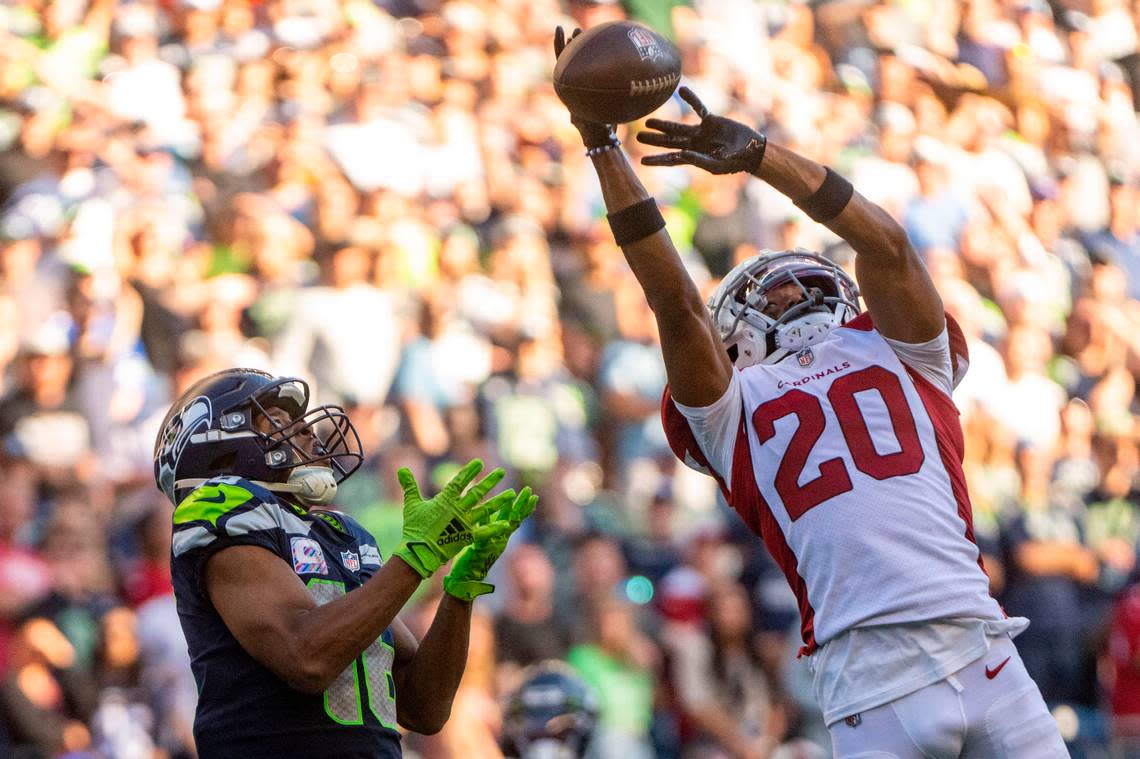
<point>313,484</point>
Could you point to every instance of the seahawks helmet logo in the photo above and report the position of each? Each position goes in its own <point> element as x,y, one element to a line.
<point>196,415</point>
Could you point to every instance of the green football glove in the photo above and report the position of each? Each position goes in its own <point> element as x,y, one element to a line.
<point>466,578</point>
<point>437,529</point>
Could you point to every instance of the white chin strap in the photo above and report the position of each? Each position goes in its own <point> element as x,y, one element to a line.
<point>313,484</point>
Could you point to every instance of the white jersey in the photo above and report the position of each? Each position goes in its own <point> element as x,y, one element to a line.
<point>848,462</point>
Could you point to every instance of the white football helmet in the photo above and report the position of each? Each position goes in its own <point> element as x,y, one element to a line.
<point>830,298</point>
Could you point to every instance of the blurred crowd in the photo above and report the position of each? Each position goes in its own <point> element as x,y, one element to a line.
<point>386,198</point>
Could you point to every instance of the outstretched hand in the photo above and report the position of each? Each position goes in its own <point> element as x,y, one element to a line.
<point>718,145</point>
<point>469,572</point>
<point>437,529</point>
<point>594,135</point>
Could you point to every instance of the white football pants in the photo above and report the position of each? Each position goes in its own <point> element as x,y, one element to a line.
<point>989,709</point>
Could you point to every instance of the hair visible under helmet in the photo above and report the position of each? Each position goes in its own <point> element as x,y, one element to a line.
<point>830,299</point>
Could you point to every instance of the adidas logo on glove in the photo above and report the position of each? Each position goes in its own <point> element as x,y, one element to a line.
<point>454,533</point>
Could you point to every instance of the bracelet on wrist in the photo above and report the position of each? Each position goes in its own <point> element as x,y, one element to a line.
<point>611,145</point>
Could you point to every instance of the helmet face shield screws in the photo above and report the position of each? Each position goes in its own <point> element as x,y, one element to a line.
<point>823,297</point>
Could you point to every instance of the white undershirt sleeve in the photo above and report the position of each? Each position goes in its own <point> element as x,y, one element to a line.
<point>715,427</point>
<point>930,359</point>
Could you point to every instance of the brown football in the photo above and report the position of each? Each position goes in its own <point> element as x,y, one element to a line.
<point>617,72</point>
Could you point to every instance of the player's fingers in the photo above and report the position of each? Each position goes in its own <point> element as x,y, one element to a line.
<point>660,140</point>
<point>663,159</point>
<point>577,31</point>
<point>512,510</point>
<point>489,532</point>
<point>480,513</point>
<point>408,485</point>
<point>701,161</point>
<point>524,507</point>
<point>672,127</point>
<point>462,478</point>
<point>506,508</point>
<point>481,488</point>
<point>559,40</point>
<point>691,98</point>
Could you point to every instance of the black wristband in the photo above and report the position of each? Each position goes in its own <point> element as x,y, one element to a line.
<point>829,200</point>
<point>636,222</point>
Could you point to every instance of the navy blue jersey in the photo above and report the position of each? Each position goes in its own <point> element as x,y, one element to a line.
<point>244,710</point>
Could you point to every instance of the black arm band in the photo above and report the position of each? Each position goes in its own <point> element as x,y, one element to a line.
<point>636,222</point>
<point>829,200</point>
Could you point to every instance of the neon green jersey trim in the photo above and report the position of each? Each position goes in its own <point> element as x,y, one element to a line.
<point>209,502</point>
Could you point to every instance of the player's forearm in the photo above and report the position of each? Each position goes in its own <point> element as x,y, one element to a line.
<point>868,228</point>
<point>697,366</point>
<point>899,292</point>
<point>653,259</point>
<point>330,636</point>
<point>426,685</point>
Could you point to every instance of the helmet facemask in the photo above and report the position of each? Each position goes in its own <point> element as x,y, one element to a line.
<point>829,298</point>
<point>336,445</point>
<point>224,426</point>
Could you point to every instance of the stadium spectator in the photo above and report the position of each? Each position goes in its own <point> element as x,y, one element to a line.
<point>727,699</point>
<point>529,628</point>
<point>618,662</point>
<point>388,198</point>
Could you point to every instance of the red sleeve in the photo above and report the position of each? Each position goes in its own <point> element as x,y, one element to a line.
<point>745,498</point>
<point>1126,627</point>
<point>683,442</point>
<point>959,351</point>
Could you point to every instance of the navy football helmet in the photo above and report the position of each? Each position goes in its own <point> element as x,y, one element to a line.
<point>551,715</point>
<point>209,432</point>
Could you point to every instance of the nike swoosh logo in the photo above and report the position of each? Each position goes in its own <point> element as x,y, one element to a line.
<point>219,498</point>
<point>992,673</point>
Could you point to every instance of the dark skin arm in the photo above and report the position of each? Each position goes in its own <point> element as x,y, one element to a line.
<point>275,619</point>
<point>894,282</point>
<point>270,612</point>
<point>696,363</point>
<point>895,285</point>
<point>427,672</point>
<point>695,360</point>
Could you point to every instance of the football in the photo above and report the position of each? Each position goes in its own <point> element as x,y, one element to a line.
<point>616,72</point>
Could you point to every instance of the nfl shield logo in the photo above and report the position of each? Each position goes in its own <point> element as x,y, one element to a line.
<point>647,47</point>
<point>805,357</point>
<point>350,560</point>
